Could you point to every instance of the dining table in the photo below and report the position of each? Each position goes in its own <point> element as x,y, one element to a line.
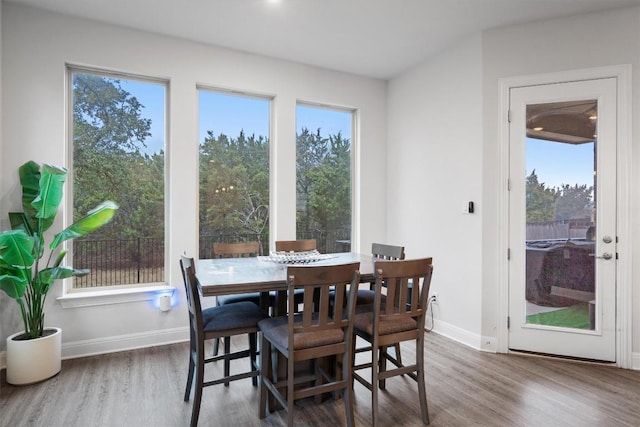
<point>226,276</point>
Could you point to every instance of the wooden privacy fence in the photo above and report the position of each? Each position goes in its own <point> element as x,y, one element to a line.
<point>563,229</point>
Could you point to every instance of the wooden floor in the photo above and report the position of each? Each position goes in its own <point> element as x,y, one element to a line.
<point>465,387</point>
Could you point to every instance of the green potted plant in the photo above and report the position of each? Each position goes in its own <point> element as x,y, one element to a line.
<point>28,268</point>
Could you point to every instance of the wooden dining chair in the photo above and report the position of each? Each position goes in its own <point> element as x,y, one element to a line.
<point>315,333</point>
<point>237,250</point>
<point>216,322</point>
<point>381,251</point>
<point>296,245</point>
<point>393,320</point>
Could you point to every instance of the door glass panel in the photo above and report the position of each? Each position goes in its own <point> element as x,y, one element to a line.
<point>561,146</point>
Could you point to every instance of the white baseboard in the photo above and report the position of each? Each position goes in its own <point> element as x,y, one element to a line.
<point>458,334</point>
<point>75,349</point>
<point>71,350</point>
<point>635,361</point>
<point>149,339</point>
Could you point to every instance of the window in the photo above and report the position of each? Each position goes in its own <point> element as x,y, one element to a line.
<point>118,138</point>
<point>323,177</point>
<point>234,169</point>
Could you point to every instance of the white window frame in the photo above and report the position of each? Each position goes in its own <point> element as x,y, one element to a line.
<point>250,95</point>
<point>355,164</point>
<point>73,298</point>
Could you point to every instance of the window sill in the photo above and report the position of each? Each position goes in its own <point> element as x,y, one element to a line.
<point>119,296</point>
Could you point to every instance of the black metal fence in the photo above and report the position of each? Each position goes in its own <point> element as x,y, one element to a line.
<point>141,260</point>
<point>119,262</point>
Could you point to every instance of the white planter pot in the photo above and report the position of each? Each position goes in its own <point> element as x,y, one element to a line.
<point>31,361</point>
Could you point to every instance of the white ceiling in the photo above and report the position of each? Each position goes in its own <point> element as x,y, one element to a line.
<point>377,38</point>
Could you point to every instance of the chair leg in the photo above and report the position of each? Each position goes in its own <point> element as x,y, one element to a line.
<point>383,366</point>
<point>227,360</point>
<point>216,344</point>
<point>265,374</point>
<point>348,391</point>
<point>253,365</point>
<point>375,351</point>
<point>398,355</point>
<point>290,391</point>
<point>353,358</point>
<point>422,390</point>
<point>278,372</point>
<point>317,365</point>
<point>195,412</point>
<point>187,391</point>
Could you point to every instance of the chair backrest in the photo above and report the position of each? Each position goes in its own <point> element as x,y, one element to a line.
<point>192,291</point>
<point>318,314</point>
<point>296,245</point>
<point>397,277</point>
<point>390,252</point>
<point>236,250</point>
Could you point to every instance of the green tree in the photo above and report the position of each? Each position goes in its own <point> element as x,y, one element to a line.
<point>574,202</point>
<point>329,198</point>
<point>234,186</point>
<point>323,182</point>
<point>540,200</point>
<point>311,151</point>
<point>109,133</point>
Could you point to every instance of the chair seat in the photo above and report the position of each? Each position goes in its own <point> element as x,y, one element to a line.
<point>363,321</point>
<point>276,330</point>
<point>366,296</point>
<point>252,297</point>
<point>363,297</point>
<point>232,316</point>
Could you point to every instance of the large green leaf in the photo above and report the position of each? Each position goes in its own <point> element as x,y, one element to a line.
<point>30,181</point>
<point>49,275</point>
<point>95,219</point>
<point>16,249</point>
<point>52,180</point>
<point>20,221</point>
<point>14,286</point>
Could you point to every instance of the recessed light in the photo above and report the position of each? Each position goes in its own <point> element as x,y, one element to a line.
<point>593,117</point>
<point>538,129</point>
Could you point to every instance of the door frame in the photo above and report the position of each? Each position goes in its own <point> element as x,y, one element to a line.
<point>624,303</point>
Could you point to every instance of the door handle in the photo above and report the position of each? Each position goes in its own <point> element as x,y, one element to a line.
<point>605,255</point>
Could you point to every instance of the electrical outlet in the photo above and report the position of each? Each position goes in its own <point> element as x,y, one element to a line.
<point>435,297</point>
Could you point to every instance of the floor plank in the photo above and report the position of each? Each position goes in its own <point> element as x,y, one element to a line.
<point>464,387</point>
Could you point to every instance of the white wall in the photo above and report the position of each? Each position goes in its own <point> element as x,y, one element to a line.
<point>443,144</point>
<point>434,168</point>
<point>36,45</point>
<point>4,303</point>
<point>579,42</point>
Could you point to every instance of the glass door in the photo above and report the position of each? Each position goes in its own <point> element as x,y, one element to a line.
<point>562,218</point>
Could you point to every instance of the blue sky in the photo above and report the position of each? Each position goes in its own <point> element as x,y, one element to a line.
<point>229,114</point>
<point>555,163</point>
<point>558,163</point>
<point>152,97</point>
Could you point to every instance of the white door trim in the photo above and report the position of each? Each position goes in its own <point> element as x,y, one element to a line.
<point>624,265</point>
